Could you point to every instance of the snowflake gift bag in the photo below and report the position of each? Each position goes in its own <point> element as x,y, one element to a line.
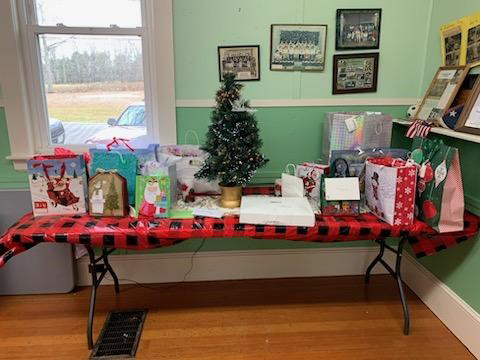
<point>390,190</point>
<point>57,184</point>
<point>107,195</point>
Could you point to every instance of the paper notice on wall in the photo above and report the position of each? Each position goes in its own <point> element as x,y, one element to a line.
<point>446,96</point>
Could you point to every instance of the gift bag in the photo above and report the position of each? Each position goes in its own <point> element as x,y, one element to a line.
<point>355,130</point>
<point>440,199</point>
<point>152,197</point>
<point>165,167</point>
<point>192,159</point>
<point>58,184</point>
<point>310,173</point>
<point>390,189</point>
<point>108,195</point>
<point>122,146</point>
<point>124,164</point>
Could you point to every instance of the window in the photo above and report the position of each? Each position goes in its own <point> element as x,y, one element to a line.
<point>87,71</point>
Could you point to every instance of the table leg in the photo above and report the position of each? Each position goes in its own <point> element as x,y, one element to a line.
<point>94,268</point>
<point>395,273</point>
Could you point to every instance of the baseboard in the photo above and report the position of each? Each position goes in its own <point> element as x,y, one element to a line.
<point>231,265</point>
<point>460,318</point>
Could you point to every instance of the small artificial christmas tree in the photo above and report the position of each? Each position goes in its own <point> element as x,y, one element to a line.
<point>233,143</point>
<point>111,200</point>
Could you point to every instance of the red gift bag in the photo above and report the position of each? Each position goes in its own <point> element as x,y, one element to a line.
<point>390,189</point>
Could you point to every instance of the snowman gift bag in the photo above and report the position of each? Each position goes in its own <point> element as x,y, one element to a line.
<point>152,196</point>
<point>440,200</point>
<point>390,190</point>
<point>58,184</point>
<point>107,195</point>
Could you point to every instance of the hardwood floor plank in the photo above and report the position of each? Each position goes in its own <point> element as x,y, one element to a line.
<point>307,318</point>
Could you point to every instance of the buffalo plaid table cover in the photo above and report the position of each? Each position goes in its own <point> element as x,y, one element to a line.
<point>142,234</point>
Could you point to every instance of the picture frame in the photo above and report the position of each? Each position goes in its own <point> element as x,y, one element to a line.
<point>469,121</point>
<point>441,93</point>
<point>358,29</point>
<point>297,47</point>
<point>355,73</point>
<point>243,60</point>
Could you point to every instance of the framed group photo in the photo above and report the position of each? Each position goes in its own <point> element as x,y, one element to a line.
<point>355,73</point>
<point>297,47</point>
<point>358,29</point>
<point>242,60</point>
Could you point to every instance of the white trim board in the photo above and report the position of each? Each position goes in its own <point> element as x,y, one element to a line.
<point>337,101</point>
<point>256,264</point>
<point>459,317</point>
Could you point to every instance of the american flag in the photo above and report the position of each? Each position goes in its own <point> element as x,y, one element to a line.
<point>418,128</point>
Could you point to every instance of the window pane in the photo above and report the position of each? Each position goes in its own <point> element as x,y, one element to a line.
<point>91,13</point>
<point>94,88</point>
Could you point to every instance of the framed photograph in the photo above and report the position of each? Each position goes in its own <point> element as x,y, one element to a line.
<point>469,121</point>
<point>297,47</point>
<point>473,43</point>
<point>355,73</point>
<point>242,60</point>
<point>358,29</point>
<point>451,45</point>
<point>441,93</point>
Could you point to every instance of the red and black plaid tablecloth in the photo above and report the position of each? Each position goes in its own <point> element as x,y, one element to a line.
<point>143,234</point>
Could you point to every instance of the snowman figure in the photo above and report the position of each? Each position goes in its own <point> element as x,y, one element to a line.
<point>97,199</point>
<point>152,191</point>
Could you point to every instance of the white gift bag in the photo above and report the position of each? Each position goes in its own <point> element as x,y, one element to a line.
<point>292,186</point>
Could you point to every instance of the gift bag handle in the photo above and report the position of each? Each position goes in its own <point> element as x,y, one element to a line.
<point>379,127</point>
<point>290,166</point>
<point>194,134</point>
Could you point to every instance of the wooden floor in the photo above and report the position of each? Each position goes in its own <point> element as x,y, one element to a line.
<point>315,318</point>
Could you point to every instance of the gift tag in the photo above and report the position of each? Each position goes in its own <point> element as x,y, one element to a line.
<point>351,123</point>
<point>422,171</point>
<point>417,156</point>
<point>440,173</point>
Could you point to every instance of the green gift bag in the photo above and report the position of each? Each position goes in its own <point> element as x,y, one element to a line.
<point>440,200</point>
<point>152,196</point>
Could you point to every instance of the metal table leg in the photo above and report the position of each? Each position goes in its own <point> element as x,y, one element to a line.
<point>395,273</point>
<point>94,268</point>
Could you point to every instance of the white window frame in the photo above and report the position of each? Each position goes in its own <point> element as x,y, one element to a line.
<point>28,133</point>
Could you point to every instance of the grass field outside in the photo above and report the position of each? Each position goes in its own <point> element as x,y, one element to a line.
<point>91,103</point>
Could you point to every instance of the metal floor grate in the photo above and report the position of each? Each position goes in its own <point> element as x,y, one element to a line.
<point>120,335</point>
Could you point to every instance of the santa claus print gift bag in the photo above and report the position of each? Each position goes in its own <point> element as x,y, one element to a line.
<point>152,197</point>
<point>58,184</point>
<point>440,200</point>
<point>390,189</point>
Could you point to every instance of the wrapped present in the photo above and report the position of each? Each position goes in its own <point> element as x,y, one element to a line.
<point>355,130</point>
<point>340,196</point>
<point>58,184</point>
<point>108,195</point>
<point>152,198</point>
<point>390,189</point>
<point>166,167</point>
<point>440,199</point>
<point>124,164</point>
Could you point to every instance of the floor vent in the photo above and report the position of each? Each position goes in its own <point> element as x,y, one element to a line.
<point>120,335</point>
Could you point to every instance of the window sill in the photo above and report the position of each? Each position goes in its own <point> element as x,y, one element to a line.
<point>445,132</point>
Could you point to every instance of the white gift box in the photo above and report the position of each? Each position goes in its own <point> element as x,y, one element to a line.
<point>271,210</point>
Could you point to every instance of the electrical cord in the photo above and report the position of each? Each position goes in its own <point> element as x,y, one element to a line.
<point>162,288</point>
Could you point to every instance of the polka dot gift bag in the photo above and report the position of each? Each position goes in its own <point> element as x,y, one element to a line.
<point>390,189</point>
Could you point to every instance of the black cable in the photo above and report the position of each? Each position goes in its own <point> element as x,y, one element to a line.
<point>162,288</point>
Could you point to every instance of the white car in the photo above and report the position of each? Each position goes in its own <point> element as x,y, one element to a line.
<point>129,125</point>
